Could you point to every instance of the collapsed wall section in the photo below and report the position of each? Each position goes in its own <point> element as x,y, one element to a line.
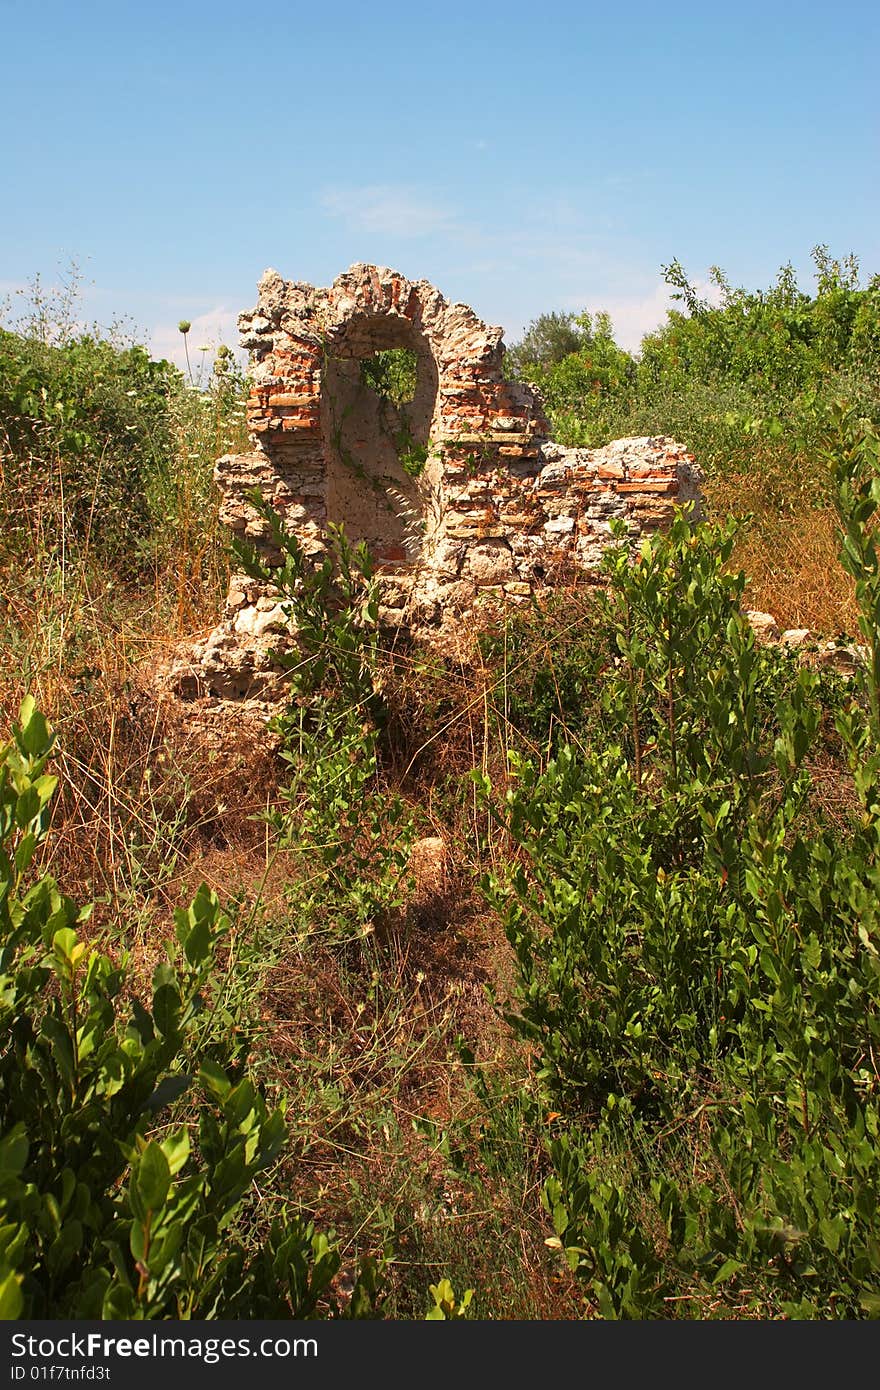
<point>459,493</point>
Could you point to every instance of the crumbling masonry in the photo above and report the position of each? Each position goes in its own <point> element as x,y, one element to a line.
<point>496,510</point>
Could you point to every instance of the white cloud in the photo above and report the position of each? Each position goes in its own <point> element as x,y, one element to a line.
<point>391,210</point>
<point>633,317</point>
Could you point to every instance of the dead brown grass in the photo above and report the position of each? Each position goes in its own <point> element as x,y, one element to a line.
<point>156,797</point>
<point>363,1043</point>
<point>790,555</point>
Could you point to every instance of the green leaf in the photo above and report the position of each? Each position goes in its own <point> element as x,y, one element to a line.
<point>119,1303</point>
<point>153,1177</point>
<point>64,944</point>
<point>166,1009</point>
<point>137,1241</point>
<point>240,1103</point>
<point>165,1248</point>
<point>11,1301</point>
<point>168,1090</point>
<point>24,852</point>
<point>46,786</point>
<point>36,736</point>
<point>197,942</point>
<point>214,1079</point>
<point>26,711</point>
<point>176,1149</point>
<point>729,1268</point>
<point>13,1151</point>
<point>27,807</point>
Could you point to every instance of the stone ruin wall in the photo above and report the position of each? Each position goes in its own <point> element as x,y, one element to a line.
<point>498,512</point>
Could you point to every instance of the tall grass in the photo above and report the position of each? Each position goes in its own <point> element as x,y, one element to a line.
<point>110,556</point>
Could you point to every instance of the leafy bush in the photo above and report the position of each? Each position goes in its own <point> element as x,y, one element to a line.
<point>557,664</point>
<point>775,341</point>
<point>746,379</point>
<point>106,455</point>
<point>392,374</point>
<point>699,958</point>
<point>111,1203</point>
<point>584,378</point>
<point>87,423</point>
<point>724,378</point>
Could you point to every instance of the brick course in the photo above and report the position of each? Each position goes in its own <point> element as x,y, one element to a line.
<point>499,509</point>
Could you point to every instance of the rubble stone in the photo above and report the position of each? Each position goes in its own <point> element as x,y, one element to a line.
<point>497,505</point>
<point>763,625</point>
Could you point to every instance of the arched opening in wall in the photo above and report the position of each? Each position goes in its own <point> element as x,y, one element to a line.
<point>392,374</point>
<point>378,395</point>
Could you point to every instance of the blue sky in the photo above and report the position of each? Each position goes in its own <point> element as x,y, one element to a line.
<point>523,158</point>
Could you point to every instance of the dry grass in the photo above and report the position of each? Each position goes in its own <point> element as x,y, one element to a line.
<point>154,800</point>
<point>363,1043</point>
<point>789,551</point>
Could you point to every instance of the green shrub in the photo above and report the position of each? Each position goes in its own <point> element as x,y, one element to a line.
<point>777,341</point>
<point>86,424</point>
<point>112,1202</point>
<point>556,665</point>
<point>107,454</point>
<point>699,957</point>
<point>585,379</point>
<point>730,380</point>
<point>392,374</point>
